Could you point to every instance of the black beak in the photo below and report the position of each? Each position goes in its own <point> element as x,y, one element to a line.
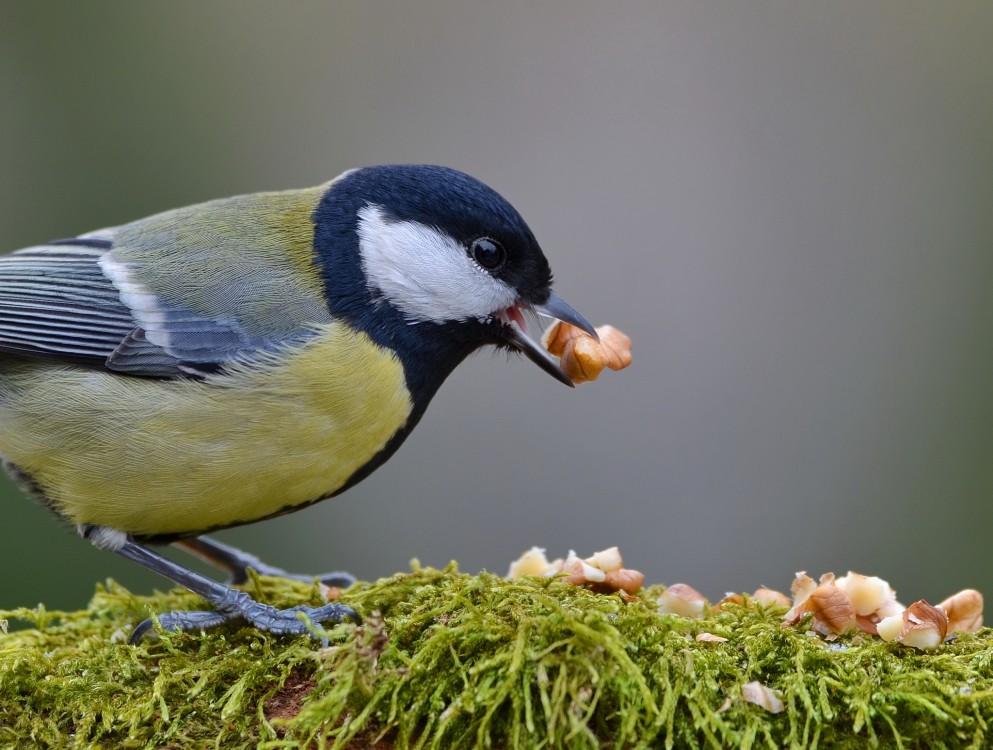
<point>558,308</point>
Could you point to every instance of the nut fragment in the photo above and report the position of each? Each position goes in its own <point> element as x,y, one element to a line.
<point>685,601</point>
<point>710,638</point>
<point>890,607</point>
<point>625,579</point>
<point>964,610</point>
<point>762,695</point>
<point>926,625</point>
<point>762,597</point>
<point>559,336</point>
<point>581,572</point>
<point>531,563</point>
<point>729,598</point>
<point>802,587</point>
<point>831,608</point>
<point>606,560</point>
<point>920,625</point>
<point>867,593</point>
<point>770,598</point>
<point>581,356</point>
<point>889,628</point>
<point>602,572</point>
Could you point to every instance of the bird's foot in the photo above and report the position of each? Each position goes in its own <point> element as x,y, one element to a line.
<point>239,605</point>
<point>237,562</point>
<point>339,578</point>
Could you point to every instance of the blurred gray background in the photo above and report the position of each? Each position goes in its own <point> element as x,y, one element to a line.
<point>787,205</point>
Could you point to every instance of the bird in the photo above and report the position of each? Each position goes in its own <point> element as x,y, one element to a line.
<point>243,358</point>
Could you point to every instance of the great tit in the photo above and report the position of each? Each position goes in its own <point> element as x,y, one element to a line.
<point>243,358</point>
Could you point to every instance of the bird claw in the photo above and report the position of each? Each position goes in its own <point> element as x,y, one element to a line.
<point>261,616</point>
<point>338,578</point>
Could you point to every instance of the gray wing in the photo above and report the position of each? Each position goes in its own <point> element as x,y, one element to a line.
<point>56,302</point>
<point>177,294</point>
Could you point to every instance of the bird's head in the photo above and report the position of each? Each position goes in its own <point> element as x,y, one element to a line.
<point>439,248</point>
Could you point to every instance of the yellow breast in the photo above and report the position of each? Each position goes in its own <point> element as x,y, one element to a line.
<point>177,457</point>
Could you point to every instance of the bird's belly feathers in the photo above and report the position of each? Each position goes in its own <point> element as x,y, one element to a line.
<point>159,458</point>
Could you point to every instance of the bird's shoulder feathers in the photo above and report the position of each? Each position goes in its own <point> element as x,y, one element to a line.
<point>178,293</point>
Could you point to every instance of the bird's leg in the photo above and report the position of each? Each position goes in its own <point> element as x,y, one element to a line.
<point>236,563</point>
<point>230,603</point>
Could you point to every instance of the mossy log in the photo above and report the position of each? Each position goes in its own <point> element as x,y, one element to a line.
<point>448,660</point>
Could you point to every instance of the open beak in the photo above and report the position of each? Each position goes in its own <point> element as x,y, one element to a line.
<point>557,308</point>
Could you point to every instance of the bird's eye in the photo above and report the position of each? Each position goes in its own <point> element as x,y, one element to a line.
<point>488,253</point>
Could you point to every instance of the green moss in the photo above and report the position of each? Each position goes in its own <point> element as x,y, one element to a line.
<point>447,660</point>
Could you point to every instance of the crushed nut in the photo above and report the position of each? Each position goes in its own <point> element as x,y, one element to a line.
<point>683,600</point>
<point>771,598</point>
<point>889,628</point>
<point>762,695</point>
<point>531,563</point>
<point>867,593</point>
<point>802,587</point>
<point>830,606</point>
<point>920,625</point>
<point>964,610</point>
<point>580,572</point>
<point>890,607</point>
<point>870,604</point>
<point>625,579</point>
<point>835,605</point>
<point>710,638</point>
<point>607,560</point>
<point>729,598</point>
<point>603,571</point>
<point>581,356</point>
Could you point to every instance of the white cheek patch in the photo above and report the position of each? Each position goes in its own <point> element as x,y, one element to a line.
<point>424,273</point>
